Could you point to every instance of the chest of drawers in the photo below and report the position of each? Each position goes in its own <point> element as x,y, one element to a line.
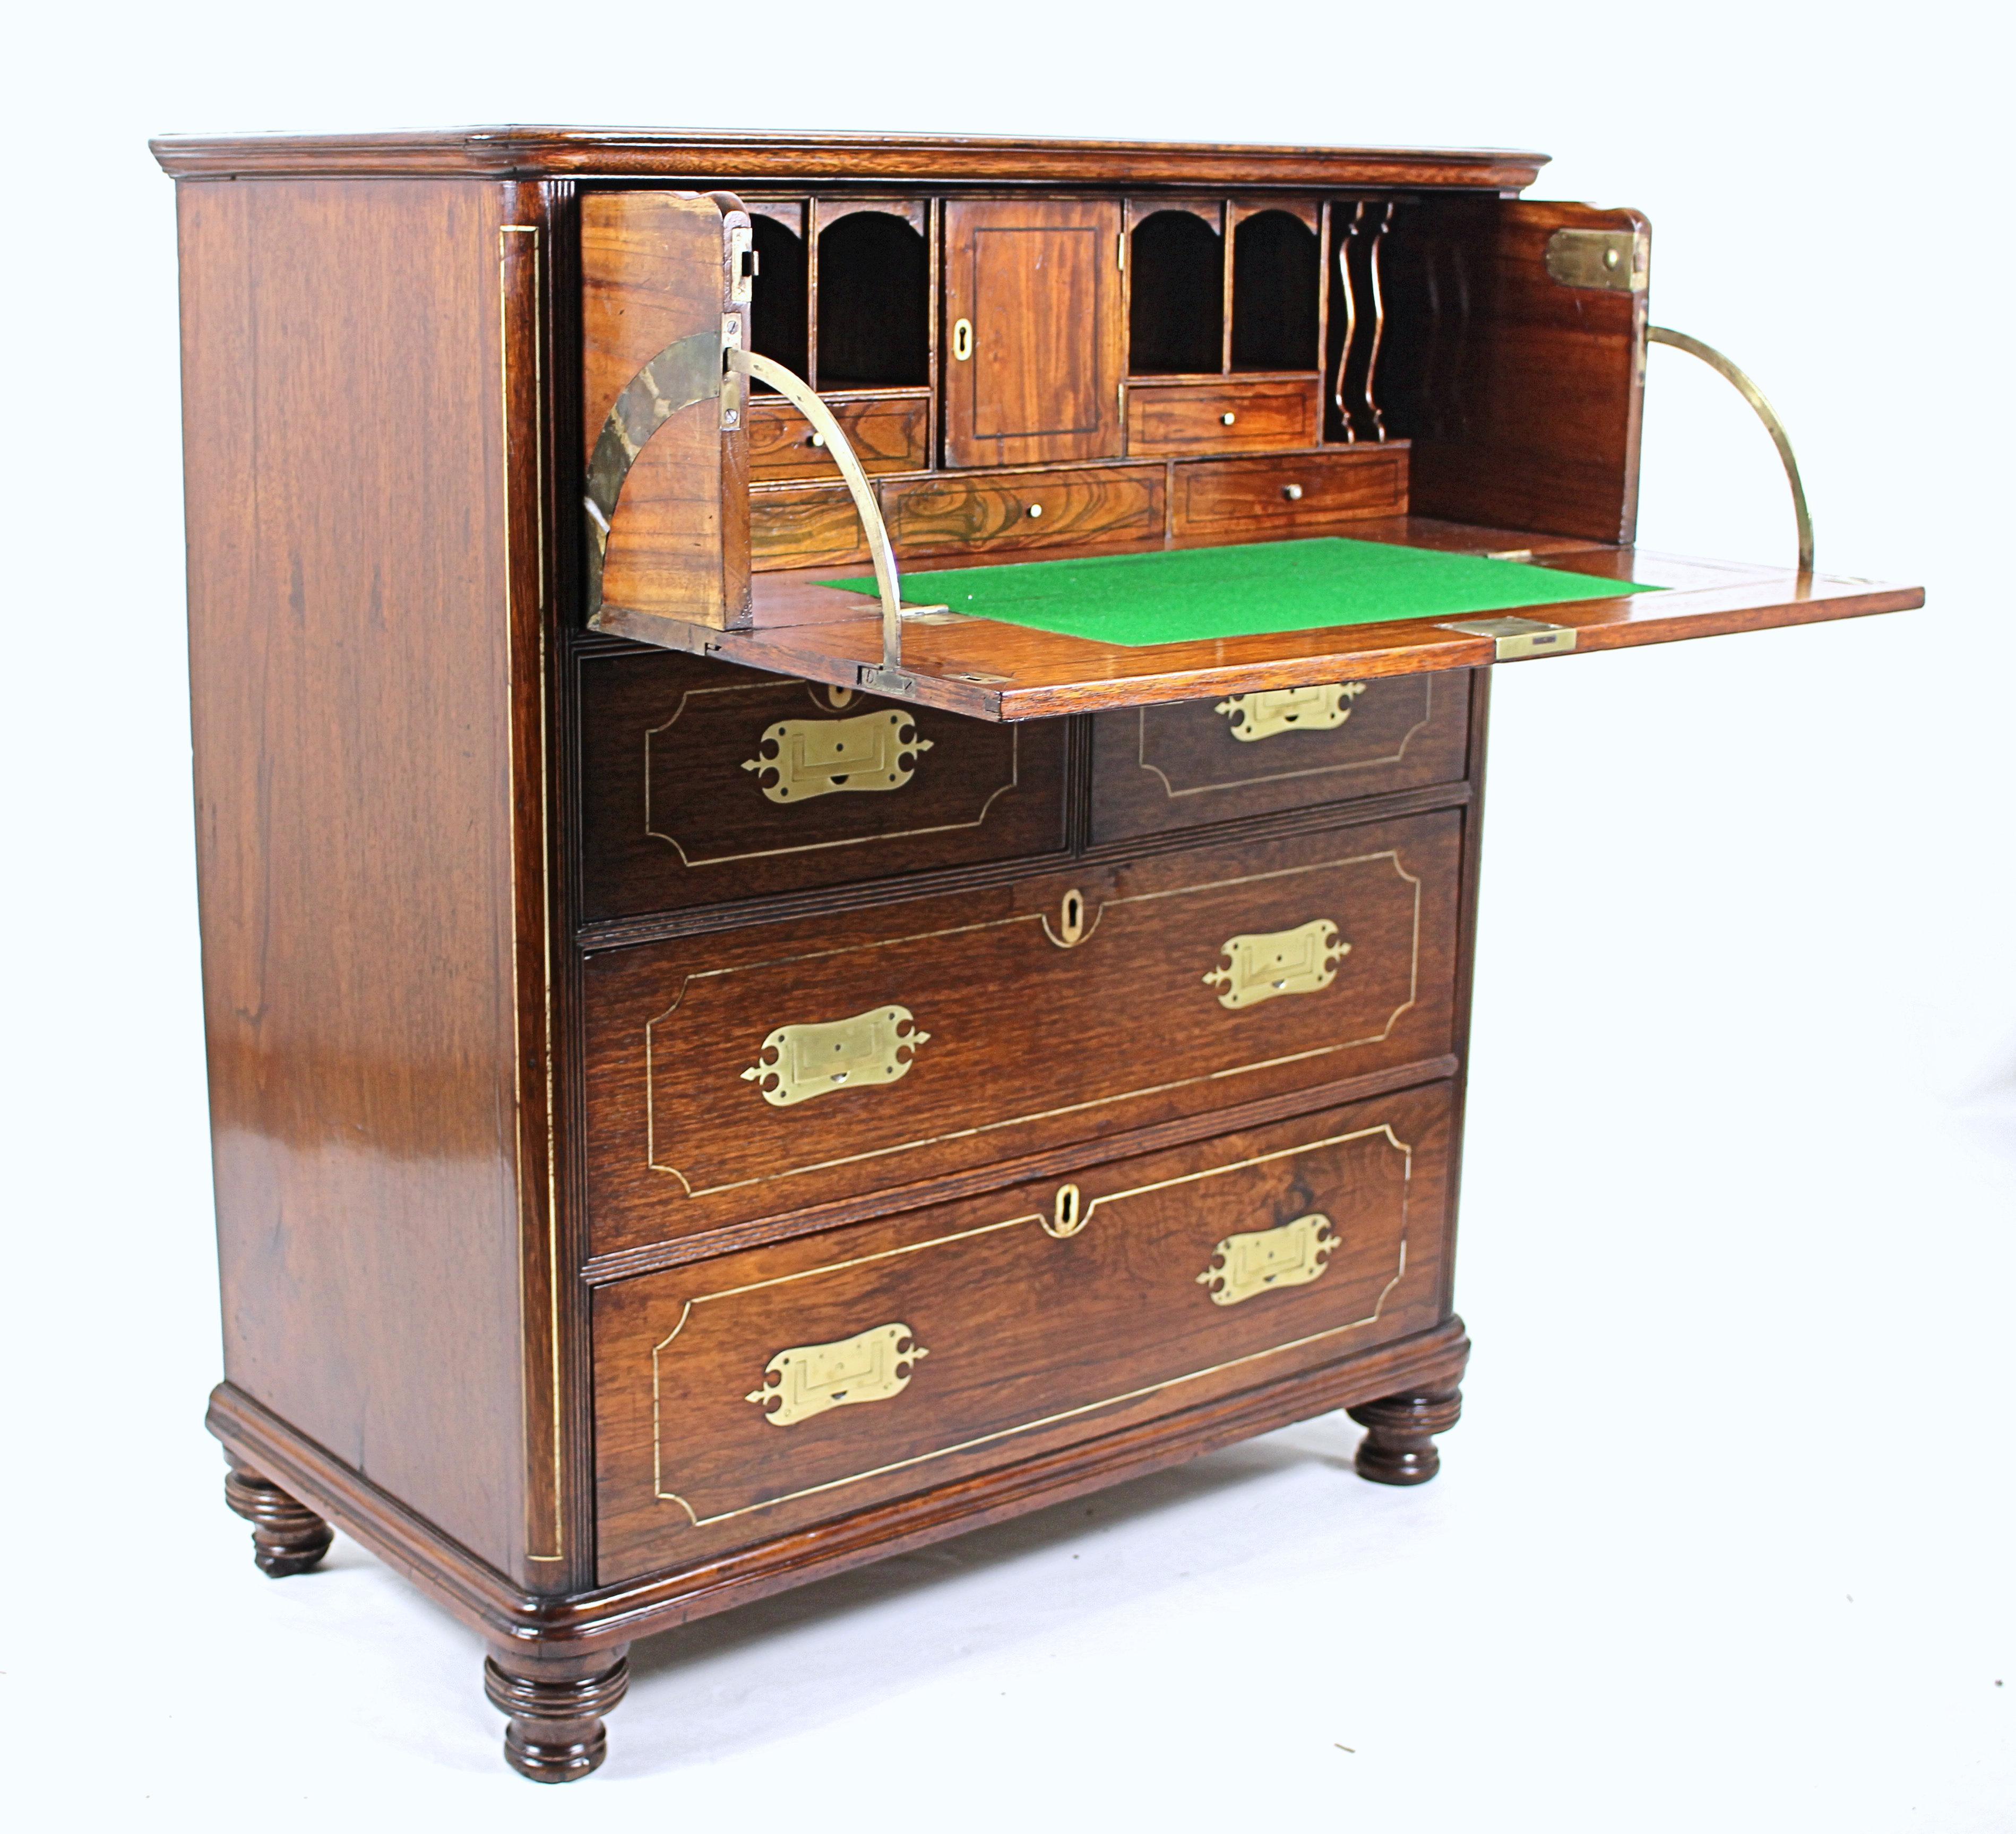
<point>713,1081</point>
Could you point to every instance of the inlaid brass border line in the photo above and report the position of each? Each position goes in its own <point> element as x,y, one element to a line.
<point>650,1043</point>
<point>555,1397</point>
<point>1112,1198</point>
<point>687,860</point>
<point>1428,714</point>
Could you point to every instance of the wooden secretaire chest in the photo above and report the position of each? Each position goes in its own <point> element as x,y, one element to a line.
<point>837,784</point>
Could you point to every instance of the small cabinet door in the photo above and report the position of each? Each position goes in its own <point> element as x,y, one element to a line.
<point>1034,329</point>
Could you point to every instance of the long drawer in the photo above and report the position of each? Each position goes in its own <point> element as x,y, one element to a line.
<point>1260,498</point>
<point>1186,763</point>
<point>738,1398</point>
<point>1006,512</point>
<point>739,1074</point>
<point>702,782</point>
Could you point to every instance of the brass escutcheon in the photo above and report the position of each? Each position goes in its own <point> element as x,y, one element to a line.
<point>811,1379</point>
<point>1275,710</point>
<point>1264,1259</point>
<point>1265,966</point>
<point>1067,1214</point>
<point>812,758</point>
<point>870,1050</point>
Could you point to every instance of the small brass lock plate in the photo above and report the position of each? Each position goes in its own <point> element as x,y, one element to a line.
<point>1616,260</point>
<point>869,1051</point>
<point>1275,710</point>
<point>812,1378</point>
<point>811,758</point>
<point>1516,638</point>
<point>1277,962</point>
<point>1266,1260</point>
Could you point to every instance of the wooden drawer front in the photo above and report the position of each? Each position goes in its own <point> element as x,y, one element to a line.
<point>886,435</point>
<point>803,525</point>
<point>1177,422</point>
<point>740,1398</point>
<point>743,1073</point>
<point>1108,504</point>
<point>1283,496</point>
<point>673,813</point>
<point>1186,763</point>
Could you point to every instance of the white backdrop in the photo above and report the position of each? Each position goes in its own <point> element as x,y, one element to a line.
<point>1723,1538</point>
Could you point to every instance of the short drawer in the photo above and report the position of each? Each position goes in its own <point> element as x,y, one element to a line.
<point>1107,505</point>
<point>886,435</point>
<point>736,1400</point>
<point>1176,420</point>
<point>1186,763</point>
<point>702,782</point>
<point>744,1073</point>
<point>803,525</point>
<point>1259,497</point>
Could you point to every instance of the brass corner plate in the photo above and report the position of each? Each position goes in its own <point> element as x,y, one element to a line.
<point>1612,260</point>
<point>1274,711</point>
<point>1516,638</point>
<point>798,760</point>
<point>869,1051</point>
<point>1264,1261</point>
<point>812,1378</point>
<point>1267,964</point>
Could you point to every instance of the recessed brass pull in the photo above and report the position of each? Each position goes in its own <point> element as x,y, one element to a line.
<point>1264,966</point>
<point>1266,1260</point>
<point>811,1379</point>
<point>1290,710</point>
<point>869,1051</point>
<point>1067,1214</point>
<point>822,757</point>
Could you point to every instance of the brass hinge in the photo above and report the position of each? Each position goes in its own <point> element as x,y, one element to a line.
<point>1617,261</point>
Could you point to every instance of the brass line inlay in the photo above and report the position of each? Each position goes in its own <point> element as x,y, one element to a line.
<point>504,297</point>
<point>697,1521</point>
<point>1390,855</point>
<point>1393,757</point>
<point>809,846</point>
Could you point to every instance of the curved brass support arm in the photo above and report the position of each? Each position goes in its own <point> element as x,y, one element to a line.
<point>1755,396</point>
<point>889,678</point>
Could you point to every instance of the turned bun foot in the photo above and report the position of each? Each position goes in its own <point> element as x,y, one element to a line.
<point>287,1536</point>
<point>555,1708</point>
<point>1399,1445</point>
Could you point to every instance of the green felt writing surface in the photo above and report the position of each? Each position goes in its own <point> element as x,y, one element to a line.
<point>1194,594</point>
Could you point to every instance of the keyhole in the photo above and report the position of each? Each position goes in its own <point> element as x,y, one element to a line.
<point>1067,1214</point>
<point>1070,919</point>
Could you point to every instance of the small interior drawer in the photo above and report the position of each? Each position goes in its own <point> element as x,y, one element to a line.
<point>747,1072</point>
<point>1279,496</point>
<point>1103,505</point>
<point>803,525</point>
<point>741,1397</point>
<point>886,435</point>
<point>1181,419</point>
<point>702,782</point>
<point>1182,763</point>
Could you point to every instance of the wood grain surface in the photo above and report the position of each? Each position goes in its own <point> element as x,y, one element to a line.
<point>1030,1339</point>
<point>1175,420</point>
<point>1103,508</point>
<point>886,433</point>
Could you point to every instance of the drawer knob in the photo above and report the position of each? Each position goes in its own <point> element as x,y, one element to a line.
<point>1228,419</point>
<point>811,758</point>
<point>818,439</point>
<point>808,1379</point>
<point>1263,1260</point>
<point>1269,964</point>
<point>1292,492</point>
<point>1034,509</point>
<point>1275,710</point>
<point>869,1051</point>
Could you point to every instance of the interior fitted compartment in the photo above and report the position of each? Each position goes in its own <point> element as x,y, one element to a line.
<point>873,297</point>
<point>1175,318</point>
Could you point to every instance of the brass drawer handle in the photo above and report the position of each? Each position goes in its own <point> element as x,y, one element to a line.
<point>871,1050</point>
<point>1273,710</point>
<point>822,757</point>
<point>962,340</point>
<point>812,1378</point>
<point>1263,1260</point>
<point>1269,964</point>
